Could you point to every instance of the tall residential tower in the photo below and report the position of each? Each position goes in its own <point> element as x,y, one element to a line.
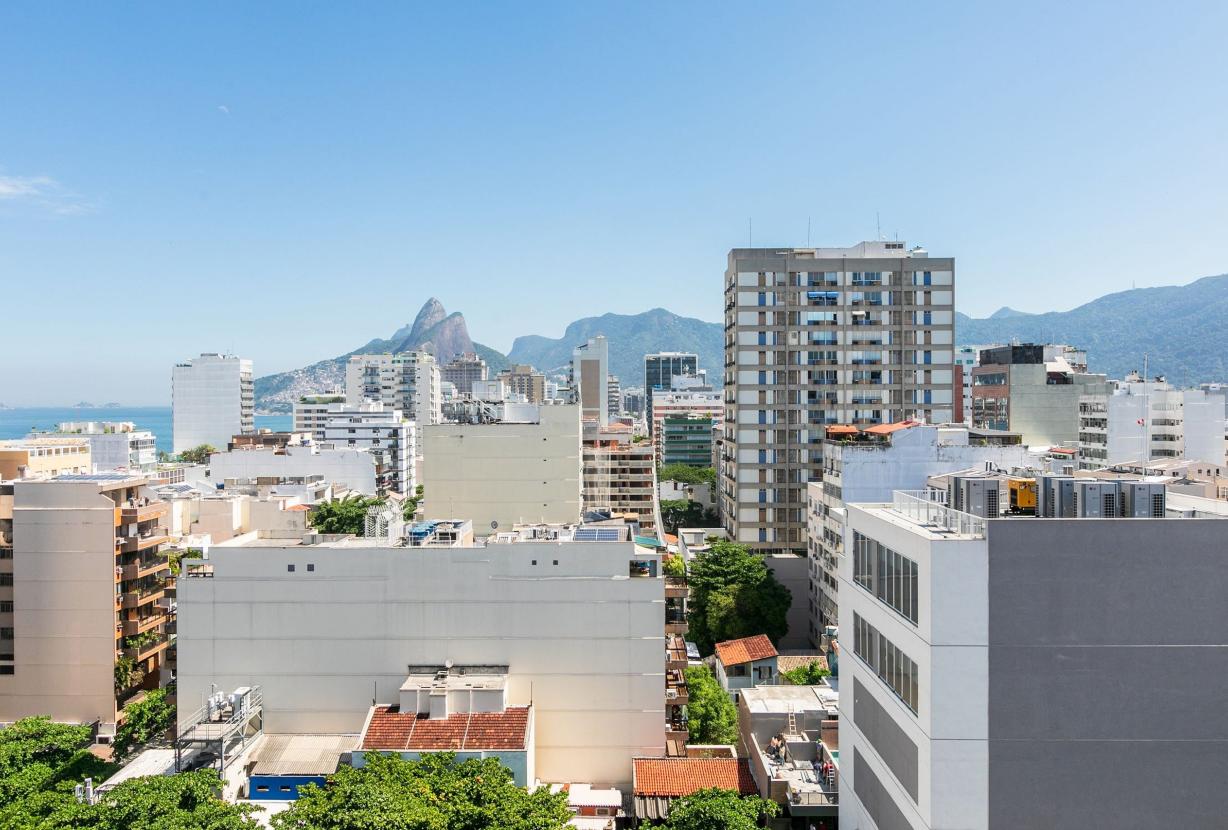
<point>212,400</point>
<point>814,337</point>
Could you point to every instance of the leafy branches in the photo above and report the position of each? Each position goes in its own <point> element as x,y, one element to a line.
<point>734,595</point>
<point>346,515</point>
<point>711,716</point>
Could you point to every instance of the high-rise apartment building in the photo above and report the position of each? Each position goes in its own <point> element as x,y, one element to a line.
<point>463,371</point>
<point>1034,390</point>
<point>590,379</point>
<point>614,393</point>
<point>697,401</point>
<point>409,381</point>
<point>311,413</point>
<point>385,434</point>
<point>115,445</point>
<point>660,369</point>
<point>815,337</point>
<point>988,663</point>
<point>521,379</point>
<point>620,477</point>
<point>84,614</point>
<point>212,398</point>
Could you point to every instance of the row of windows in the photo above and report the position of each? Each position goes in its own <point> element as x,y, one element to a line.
<point>890,576</point>
<point>892,666</point>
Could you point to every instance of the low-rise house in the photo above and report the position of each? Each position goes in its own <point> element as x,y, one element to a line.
<point>658,782</point>
<point>746,663</point>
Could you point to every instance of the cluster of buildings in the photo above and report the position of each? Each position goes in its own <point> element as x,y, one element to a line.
<point>988,549</point>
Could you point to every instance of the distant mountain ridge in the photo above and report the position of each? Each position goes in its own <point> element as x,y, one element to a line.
<point>1182,328</point>
<point>630,336</point>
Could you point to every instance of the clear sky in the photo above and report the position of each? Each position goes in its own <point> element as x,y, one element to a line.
<point>289,180</point>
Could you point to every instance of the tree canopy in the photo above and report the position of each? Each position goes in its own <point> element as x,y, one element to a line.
<point>144,721</point>
<point>198,454</point>
<point>808,675</point>
<point>437,792</point>
<point>686,474</point>
<point>347,515</point>
<point>716,809</point>
<point>676,513</point>
<point>711,716</point>
<point>734,595</point>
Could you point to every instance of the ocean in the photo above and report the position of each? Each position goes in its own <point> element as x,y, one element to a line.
<point>18,423</point>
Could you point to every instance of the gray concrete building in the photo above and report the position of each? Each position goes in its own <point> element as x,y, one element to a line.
<point>815,337</point>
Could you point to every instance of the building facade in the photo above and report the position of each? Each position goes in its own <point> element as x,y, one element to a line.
<point>311,413</point>
<point>590,379</point>
<point>115,445</point>
<point>44,455</point>
<point>503,473</point>
<point>324,629</point>
<point>523,380</point>
<point>409,381</point>
<point>621,477</point>
<point>685,439</point>
<point>987,665</point>
<point>700,402</point>
<point>212,398</point>
<point>1141,420</point>
<point>815,337</point>
<point>660,369</point>
<point>385,434</point>
<point>463,371</point>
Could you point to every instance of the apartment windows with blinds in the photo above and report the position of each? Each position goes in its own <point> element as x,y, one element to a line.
<point>891,665</point>
<point>888,575</point>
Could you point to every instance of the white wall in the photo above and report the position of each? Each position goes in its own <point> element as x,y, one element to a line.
<point>354,469</point>
<point>583,642</point>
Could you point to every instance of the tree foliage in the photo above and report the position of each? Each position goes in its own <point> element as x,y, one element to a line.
<point>734,595</point>
<point>144,721</point>
<point>686,474</point>
<point>347,515</point>
<point>437,792</point>
<point>716,809</point>
<point>198,455</point>
<point>809,675</point>
<point>676,513</point>
<point>711,716</point>
<point>674,566</point>
<point>410,506</point>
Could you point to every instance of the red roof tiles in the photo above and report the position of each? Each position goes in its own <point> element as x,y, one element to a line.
<point>734,652</point>
<point>390,729</point>
<point>677,777</point>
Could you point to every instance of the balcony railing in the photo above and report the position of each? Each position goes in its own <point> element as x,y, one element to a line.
<point>143,568</point>
<point>135,599</point>
<point>147,650</point>
<point>139,626</point>
<point>131,544</point>
<point>924,508</point>
<point>675,586</point>
<point>143,512</point>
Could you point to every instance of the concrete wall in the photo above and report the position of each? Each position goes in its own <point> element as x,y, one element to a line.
<point>1108,649</point>
<point>354,469</point>
<point>583,642</point>
<point>504,473</point>
<point>791,571</point>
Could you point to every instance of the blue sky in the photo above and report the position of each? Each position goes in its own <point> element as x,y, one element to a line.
<point>290,180</point>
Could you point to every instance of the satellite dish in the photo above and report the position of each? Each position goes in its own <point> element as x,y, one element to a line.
<point>447,663</point>
<point>494,525</point>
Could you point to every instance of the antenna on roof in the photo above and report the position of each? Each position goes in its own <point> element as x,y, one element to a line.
<point>807,231</point>
<point>750,232</point>
<point>878,227</point>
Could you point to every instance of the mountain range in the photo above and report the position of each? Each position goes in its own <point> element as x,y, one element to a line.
<point>1183,329</point>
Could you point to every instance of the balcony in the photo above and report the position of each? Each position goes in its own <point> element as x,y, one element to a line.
<point>675,653</point>
<point>139,626</point>
<point>142,512</point>
<point>136,599</point>
<point>145,650</point>
<point>675,688</point>
<point>132,544</point>
<point>676,587</point>
<point>143,568</point>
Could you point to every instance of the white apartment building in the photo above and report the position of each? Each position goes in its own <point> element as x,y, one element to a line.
<point>590,378</point>
<point>383,433</point>
<point>326,627</point>
<point>212,399</point>
<point>989,672</point>
<point>815,337</point>
<point>348,468</point>
<point>868,466</point>
<point>311,413</point>
<point>409,381</point>
<point>506,472</point>
<point>1141,420</point>
<point>115,445</point>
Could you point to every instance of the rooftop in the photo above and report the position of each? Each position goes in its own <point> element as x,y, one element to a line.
<point>678,777</point>
<point>301,754</point>
<point>390,729</point>
<point>746,650</point>
<point>785,699</point>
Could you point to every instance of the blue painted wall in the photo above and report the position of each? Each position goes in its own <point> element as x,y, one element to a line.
<point>275,783</point>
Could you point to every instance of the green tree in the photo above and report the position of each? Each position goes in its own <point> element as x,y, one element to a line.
<point>143,722</point>
<point>187,801</point>
<point>197,455</point>
<point>716,809</point>
<point>346,515</point>
<point>40,763</point>
<point>434,793</point>
<point>809,675</point>
<point>410,506</point>
<point>686,474</point>
<point>674,566</point>
<point>39,741</point>
<point>734,595</point>
<point>711,716</point>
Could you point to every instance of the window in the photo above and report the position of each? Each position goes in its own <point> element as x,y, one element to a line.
<point>889,576</point>
<point>6,579</point>
<point>310,566</point>
<point>6,670</point>
<point>6,606</point>
<point>290,569</point>
<point>892,666</point>
<point>6,633</point>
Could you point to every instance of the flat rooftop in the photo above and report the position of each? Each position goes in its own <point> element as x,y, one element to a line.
<point>782,699</point>
<point>301,754</point>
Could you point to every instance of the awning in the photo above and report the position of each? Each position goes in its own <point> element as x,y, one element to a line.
<point>651,807</point>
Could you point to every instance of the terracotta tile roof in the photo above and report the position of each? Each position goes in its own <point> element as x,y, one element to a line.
<point>887,429</point>
<point>733,652</point>
<point>301,507</point>
<point>677,777</point>
<point>789,662</point>
<point>842,429</point>
<point>390,729</point>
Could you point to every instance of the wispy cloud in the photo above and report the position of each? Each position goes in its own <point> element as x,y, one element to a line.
<point>223,109</point>
<point>43,193</point>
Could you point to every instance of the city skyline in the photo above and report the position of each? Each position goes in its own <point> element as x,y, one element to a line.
<point>140,169</point>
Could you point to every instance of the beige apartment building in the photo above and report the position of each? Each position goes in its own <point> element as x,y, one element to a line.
<point>504,473</point>
<point>621,477</point>
<point>85,623</point>
<point>816,337</point>
<point>44,456</point>
<point>521,379</point>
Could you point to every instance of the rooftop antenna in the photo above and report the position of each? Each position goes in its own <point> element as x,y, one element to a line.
<point>807,231</point>
<point>878,227</point>
<point>750,232</point>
